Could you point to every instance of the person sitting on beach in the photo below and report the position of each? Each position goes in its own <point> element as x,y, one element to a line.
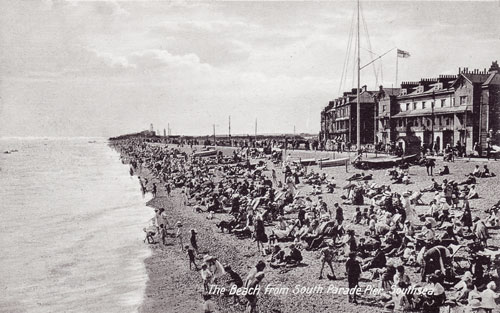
<point>357,216</point>
<point>295,256</point>
<point>476,172</point>
<point>378,261</point>
<point>444,171</point>
<point>492,219</point>
<point>427,233</point>
<point>486,172</point>
<point>434,186</point>
<point>489,297</point>
<point>480,231</point>
<point>277,256</point>
<point>472,194</point>
<point>471,179</point>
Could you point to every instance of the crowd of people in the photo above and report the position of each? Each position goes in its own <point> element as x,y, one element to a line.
<point>384,241</point>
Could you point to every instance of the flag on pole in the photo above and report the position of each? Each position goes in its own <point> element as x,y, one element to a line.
<point>403,54</point>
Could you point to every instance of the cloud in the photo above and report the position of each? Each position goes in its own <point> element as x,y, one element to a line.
<point>110,8</point>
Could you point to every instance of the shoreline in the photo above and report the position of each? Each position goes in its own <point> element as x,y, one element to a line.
<point>172,287</point>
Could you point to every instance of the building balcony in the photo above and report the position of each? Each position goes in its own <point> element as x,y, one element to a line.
<point>343,118</point>
<point>341,130</point>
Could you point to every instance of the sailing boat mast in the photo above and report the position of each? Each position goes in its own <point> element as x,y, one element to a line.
<point>358,107</point>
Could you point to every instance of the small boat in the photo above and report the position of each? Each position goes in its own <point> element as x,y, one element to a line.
<point>386,162</point>
<point>334,162</point>
<point>308,162</point>
<point>206,153</point>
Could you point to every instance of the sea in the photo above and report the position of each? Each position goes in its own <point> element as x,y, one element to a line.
<point>71,228</point>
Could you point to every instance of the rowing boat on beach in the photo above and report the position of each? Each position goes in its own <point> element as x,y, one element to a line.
<point>309,162</point>
<point>334,162</point>
<point>385,162</point>
<point>206,153</point>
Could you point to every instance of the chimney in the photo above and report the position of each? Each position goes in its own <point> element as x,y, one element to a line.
<point>363,88</point>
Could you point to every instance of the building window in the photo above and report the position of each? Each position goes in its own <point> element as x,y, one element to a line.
<point>407,107</point>
<point>453,101</point>
<point>384,107</point>
<point>432,104</point>
<point>443,103</point>
<point>414,105</point>
<point>463,100</point>
<point>423,104</point>
<point>428,122</point>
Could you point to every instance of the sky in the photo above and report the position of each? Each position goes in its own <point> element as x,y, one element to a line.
<point>107,68</point>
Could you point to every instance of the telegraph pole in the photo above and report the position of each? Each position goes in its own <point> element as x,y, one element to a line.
<point>215,142</point>
<point>255,129</point>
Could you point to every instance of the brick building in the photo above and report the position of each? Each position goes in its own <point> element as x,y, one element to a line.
<point>462,108</point>
<point>338,119</point>
<point>386,107</point>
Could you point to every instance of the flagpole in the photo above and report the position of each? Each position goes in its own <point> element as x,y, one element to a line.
<point>397,57</point>
<point>358,104</point>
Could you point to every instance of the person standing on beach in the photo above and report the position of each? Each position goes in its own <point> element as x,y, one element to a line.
<point>236,280</point>
<point>353,270</point>
<point>178,234</point>
<point>327,257</point>
<point>168,189</point>
<point>206,276</point>
<point>252,297</point>
<point>154,190</point>
<point>429,165</point>
<point>143,186</point>
<point>194,243</point>
<point>260,234</point>
<point>163,234</point>
<point>275,180</point>
<point>192,257</point>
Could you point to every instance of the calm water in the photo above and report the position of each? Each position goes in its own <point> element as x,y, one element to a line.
<point>71,222</point>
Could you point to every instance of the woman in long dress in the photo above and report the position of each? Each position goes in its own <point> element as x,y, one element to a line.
<point>260,234</point>
<point>411,214</point>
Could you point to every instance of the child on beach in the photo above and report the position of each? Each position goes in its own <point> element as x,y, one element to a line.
<point>194,244</point>
<point>206,276</point>
<point>327,257</point>
<point>357,216</point>
<point>179,234</point>
<point>163,234</point>
<point>208,304</point>
<point>353,270</point>
<point>192,257</point>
